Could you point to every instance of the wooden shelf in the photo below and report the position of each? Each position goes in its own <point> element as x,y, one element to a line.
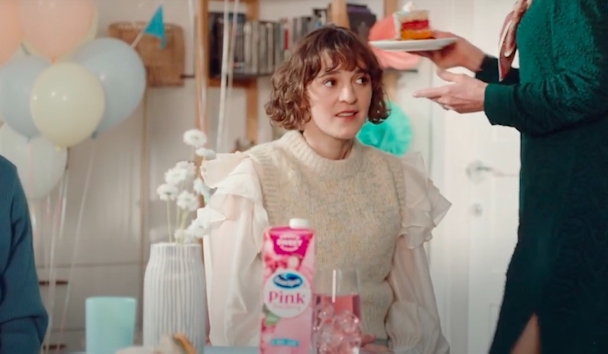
<point>244,82</point>
<point>246,2</point>
<point>48,283</point>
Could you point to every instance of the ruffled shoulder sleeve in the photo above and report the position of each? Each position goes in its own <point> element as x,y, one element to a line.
<point>228,176</point>
<point>424,206</point>
<point>233,222</point>
<point>232,174</point>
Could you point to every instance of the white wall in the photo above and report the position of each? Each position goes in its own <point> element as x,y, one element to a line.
<point>118,223</point>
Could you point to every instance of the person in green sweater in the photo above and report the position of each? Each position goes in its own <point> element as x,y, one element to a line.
<point>23,318</point>
<point>556,292</point>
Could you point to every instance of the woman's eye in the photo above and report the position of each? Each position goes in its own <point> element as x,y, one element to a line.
<point>329,83</point>
<point>362,80</point>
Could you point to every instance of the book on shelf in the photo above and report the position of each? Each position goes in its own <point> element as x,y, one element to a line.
<point>261,46</point>
<point>360,18</point>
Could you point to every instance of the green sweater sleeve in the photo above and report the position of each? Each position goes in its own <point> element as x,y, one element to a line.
<point>488,72</point>
<point>577,92</point>
<point>23,318</point>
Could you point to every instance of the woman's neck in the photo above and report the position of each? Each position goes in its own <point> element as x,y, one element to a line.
<point>327,146</point>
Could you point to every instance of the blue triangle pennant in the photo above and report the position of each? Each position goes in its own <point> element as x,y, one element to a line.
<point>156,27</point>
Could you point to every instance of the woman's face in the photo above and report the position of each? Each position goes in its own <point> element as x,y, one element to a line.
<point>339,102</point>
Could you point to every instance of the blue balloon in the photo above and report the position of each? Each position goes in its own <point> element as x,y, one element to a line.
<point>122,75</point>
<point>394,135</point>
<point>17,78</point>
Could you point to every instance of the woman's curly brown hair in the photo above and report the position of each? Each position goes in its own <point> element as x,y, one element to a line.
<point>289,106</point>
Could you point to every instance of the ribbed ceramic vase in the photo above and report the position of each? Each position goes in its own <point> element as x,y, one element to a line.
<point>174,294</point>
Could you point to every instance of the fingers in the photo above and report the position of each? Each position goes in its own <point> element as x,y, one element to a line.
<point>441,34</point>
<point>425,54</point>
<point>449,76</point>
<point>437,95</point>
<point>444,102</point>
<point>366,338</point>
<point>374,348</point>
<point>431,93</point>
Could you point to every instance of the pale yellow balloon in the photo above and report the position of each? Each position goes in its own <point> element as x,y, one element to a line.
<point>67,103</point>
<point>91,35</point>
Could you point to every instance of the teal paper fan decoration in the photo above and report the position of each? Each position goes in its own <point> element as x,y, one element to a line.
<point>393,135</point>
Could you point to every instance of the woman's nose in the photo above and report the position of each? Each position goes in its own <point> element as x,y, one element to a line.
<point>348,94</point>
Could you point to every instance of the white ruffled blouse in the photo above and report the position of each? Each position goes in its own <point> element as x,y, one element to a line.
<point>232,249</point>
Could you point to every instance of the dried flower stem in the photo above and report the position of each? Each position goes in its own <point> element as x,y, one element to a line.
<point>169,221</point>
<point>182,224</point>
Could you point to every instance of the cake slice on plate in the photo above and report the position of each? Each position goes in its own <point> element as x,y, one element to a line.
<point>412,24</point>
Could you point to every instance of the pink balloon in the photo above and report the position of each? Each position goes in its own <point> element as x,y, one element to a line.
<point>11,32</point>
<point>55,27</point>
<point>396,60</point>
<point>385,29</point>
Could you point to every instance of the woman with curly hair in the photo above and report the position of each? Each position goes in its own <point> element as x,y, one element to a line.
<point>371,211</point>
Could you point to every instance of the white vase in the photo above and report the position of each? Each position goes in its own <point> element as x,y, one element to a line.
<point>174,294</point>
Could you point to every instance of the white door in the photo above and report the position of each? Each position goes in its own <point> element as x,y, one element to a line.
<point>493,173</point>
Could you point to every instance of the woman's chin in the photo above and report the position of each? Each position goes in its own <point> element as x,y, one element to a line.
<point>347,131</point>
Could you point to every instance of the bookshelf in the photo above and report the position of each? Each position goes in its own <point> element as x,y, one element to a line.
<point>338,15</point>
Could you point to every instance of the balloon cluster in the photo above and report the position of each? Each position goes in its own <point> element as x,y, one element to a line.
<point>71,86</point>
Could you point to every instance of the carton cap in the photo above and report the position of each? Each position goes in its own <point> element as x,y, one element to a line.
<point>297,223</point>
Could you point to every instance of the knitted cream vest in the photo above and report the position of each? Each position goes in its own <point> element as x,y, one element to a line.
<point>353,205</point>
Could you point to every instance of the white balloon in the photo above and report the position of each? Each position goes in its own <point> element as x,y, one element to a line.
<point>67,103</point>
<point>40,165</point>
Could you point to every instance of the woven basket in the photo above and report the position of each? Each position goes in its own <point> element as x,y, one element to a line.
<point>164,67</point>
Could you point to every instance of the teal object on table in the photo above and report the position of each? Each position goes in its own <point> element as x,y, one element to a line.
<point>393,136</point>
<point>110,324</point>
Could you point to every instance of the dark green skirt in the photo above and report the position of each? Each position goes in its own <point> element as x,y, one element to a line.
<point>559,269</point>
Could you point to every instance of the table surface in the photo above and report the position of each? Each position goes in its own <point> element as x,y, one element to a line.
<point>222,350</point>
<point>217,350</point>
<point>231,350</point>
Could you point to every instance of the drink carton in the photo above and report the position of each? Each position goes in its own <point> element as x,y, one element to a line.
<point>288,257</point>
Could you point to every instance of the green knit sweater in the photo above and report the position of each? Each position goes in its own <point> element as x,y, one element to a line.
<point>558,100</point>
<point>23,318</point>
<point>564,69</point>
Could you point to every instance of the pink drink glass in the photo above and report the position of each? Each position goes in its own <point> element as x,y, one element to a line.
<point>337,313</point>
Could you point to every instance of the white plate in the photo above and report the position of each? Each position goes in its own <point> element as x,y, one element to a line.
<point>413,45</point>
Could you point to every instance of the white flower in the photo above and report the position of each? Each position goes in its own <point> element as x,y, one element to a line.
<point>188,166</point>
<point>195,138</point>
<point>167,192</point>
<point>205,153</point>
<point>187,201</point>
<point>175,176</point>
<point>183,236</point>
<point>195,229</point>
<point>179,235</point>
<point>201,188</point>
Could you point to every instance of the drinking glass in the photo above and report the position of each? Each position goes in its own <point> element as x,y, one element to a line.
<point>337,312</point>
<point>110,324</point>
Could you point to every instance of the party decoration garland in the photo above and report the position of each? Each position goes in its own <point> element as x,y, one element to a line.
<point>393,135</point>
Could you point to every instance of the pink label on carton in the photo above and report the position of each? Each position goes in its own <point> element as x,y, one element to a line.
<point>287,241</point>
<point>286,324</point>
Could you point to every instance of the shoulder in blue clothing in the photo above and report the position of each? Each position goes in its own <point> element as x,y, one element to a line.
<point>8,171</point>
<point>6,164</point>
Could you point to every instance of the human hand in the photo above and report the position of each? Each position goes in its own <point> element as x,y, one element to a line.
<point>463,94</point>
<point>460,53</point>
<point>367,345</point>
